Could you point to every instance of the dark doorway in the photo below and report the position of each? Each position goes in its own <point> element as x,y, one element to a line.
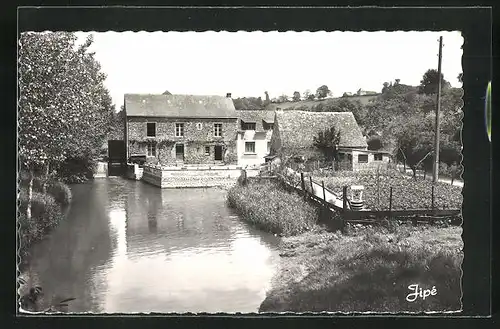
<point>179,152</point>
<point>218,153</point>
<point>116,157</point>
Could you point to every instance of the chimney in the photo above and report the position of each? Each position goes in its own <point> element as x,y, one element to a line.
<point>228,95</point>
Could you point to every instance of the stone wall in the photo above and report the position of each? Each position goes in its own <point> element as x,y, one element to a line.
<point>198,134</point>
<point>193,177</point>
<point>134,171</point>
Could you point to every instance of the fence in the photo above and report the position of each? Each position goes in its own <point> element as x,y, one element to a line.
<point>328,199</point>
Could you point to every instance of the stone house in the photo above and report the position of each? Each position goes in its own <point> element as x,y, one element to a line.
<point>294,132</point>
<point>254,136</point>
<point>180,129</point>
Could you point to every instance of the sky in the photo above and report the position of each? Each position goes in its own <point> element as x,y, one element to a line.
<point>246,64</point>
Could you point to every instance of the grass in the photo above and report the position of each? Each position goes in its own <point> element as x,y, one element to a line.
<point>268,206</point>
<point>407,192</point>
<point>368,271</point>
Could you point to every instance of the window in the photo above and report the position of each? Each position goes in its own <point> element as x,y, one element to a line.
<point>207,150</point>
<point>179,130</point>
<point>218,129</point>
<point>268,126</point>
<point>151,150</point>
<point>249,147</point>
<point>377,156</point>
<point>363,158</point>
<point>151,129</point>
<point>268,147</point>
<point>248,126</point>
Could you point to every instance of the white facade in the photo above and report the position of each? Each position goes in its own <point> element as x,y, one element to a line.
<point>252,146</point>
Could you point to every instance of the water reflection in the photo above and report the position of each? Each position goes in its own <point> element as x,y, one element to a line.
<point>159,251</point>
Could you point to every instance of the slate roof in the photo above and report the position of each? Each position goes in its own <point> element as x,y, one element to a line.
<point>297,128</point>
<point>179,106</point>
<point>256,115</point>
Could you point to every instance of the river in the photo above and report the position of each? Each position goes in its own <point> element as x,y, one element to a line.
<point>129,247</point>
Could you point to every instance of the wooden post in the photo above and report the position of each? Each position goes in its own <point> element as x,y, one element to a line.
<point>312,188</point>
<point>435,171</point>
<point>390,203</point>
<point>323,186</point>
<point>303,184</point>
<point>344,199</point>
<point>432,204</point>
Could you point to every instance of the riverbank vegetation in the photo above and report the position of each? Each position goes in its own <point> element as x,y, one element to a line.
<point>65,115</point>
<point>48,201</point>
<point>368,270</point>
<point>268,206</point>
<point>63,120</point>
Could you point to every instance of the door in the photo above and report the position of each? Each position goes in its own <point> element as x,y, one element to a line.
<point>218,153</point>
<point>179,152</point>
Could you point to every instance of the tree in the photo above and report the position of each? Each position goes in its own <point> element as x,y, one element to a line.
<point>322,92</point>
<point>374,143</point>
<point>396,82</point>
<point>327,142</point>
<point>386,86</point>
<point>64,109</point>
<point>296,96</point>
<point>267,101</point>
<point>307,95</point>
<point>283,98</point>
<point>429,82</point>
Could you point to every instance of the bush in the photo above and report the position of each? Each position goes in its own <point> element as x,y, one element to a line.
<point>60,191</point>
<point>45,214</point>
<point>77,170</point>
<point>268,206</point>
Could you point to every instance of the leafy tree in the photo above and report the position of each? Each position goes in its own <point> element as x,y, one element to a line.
<point>267,101</point>
<point>374,143</point>
<point>64,109</point>
<point>323,92</point>
<point>327,142</point>
<point>429,82</point>
<point>283,98</point>
<point>296,96</point>
<point>386,86</point>
<point>307,95</point>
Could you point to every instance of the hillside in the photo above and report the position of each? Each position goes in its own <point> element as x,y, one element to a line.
<point>308,105</point>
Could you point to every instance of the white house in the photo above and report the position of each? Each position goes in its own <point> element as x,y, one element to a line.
<point>254,136</point>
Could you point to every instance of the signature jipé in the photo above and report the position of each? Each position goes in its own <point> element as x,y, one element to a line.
<point>419,292</point>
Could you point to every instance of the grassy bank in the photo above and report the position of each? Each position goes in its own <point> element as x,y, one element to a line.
<point>268,206</point>
<point>407,193</point>
<point>46,210</point>
<point>368,271</point>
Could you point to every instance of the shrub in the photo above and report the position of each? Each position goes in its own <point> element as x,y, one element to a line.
<point>77,170</point>
<point>45,214</point>
<point>60,191</point>
<point>268,206</point>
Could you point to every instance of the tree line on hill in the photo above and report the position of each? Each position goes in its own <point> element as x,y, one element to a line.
<point>400,119</point>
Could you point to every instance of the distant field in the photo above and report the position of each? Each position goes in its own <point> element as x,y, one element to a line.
<point>363,100</point>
